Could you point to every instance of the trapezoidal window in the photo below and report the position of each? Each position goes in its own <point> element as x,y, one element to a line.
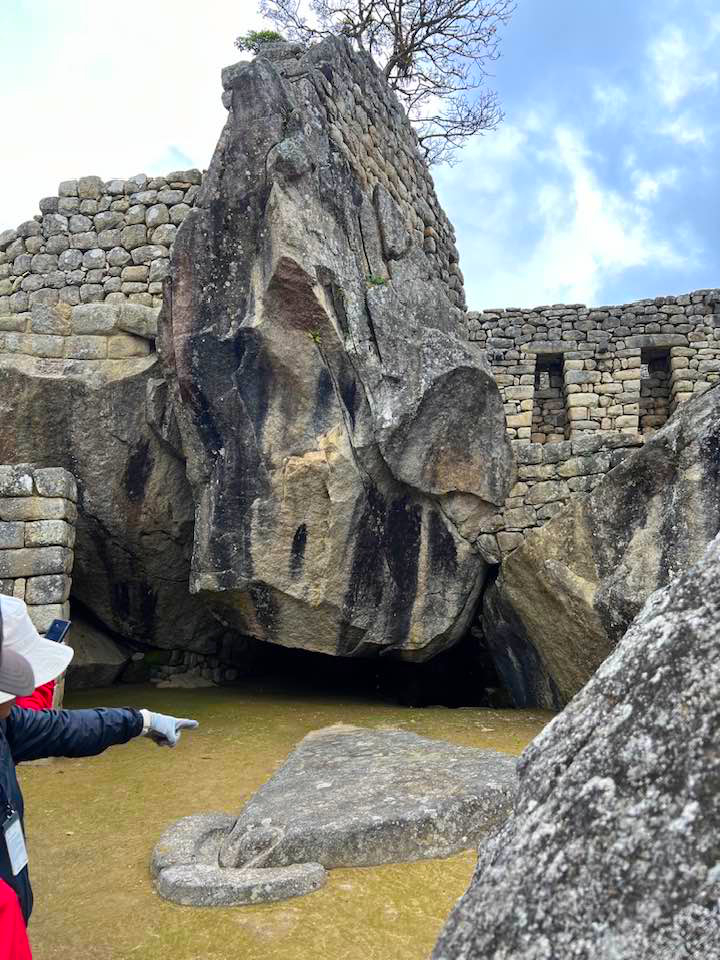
<point>654,388</point>
<point>548,420</point>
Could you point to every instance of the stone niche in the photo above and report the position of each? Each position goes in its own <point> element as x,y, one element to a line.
<point>37,536</point>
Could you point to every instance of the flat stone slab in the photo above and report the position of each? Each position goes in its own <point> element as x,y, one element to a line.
<point>346,796</point>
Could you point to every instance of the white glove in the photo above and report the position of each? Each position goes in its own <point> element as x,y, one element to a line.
<point>165,731</point>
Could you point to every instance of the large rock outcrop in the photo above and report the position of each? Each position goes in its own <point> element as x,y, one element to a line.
<point>135,509</point>
<point>614,847</point>
<point>566,596</point>
<point>341,437</point>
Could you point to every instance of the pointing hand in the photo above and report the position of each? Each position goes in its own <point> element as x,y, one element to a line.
<point>165,731</point>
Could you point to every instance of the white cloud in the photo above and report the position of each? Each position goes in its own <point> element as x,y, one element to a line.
<point>680,67</point>
<point>111,92</point>
<point>583,233</point>
<point>611,100</point>
<point>684,130</point>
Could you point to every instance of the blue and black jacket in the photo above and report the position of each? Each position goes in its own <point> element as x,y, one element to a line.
<point>33,734</point>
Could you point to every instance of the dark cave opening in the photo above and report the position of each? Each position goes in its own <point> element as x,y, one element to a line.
<point>463,676</point>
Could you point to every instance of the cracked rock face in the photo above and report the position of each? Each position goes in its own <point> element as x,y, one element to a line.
<point>345,797</point>
<point>614,845</point>
<point>135,509</point>
<point>341,437</point>
<point>568,594</point>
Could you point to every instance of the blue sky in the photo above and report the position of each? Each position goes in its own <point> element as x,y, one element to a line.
<point>601,186</point>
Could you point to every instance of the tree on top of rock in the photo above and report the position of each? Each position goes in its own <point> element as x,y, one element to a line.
<point>434,54</point>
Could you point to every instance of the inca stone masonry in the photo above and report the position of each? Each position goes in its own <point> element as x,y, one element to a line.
<point>82,282</point>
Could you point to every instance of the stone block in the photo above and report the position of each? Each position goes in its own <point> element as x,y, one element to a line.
<point>55,482</point>
<point>35,562</point>
<point>15,481</point>
<point>42,615</point>
<point>94,318</point>
<point>626,422</point>
<point>133,236</point>
<point>516,519</point>
<point>581,466</point>
<point>124,345</point>
<point>509,541</point>
<point>582,400</point>
<point>89,188</point>
<point>520,420</point>
<point>37,508</point>
<point>51,588</point>
<point>557,451</point>
<point>49,533</point>
<point>53,320</point>
<point>14,322</point>
<point>86,348</point>
<point>44,345</point>
<point>12,535</point>
<point>582,376</point>
<point>138,319</point>
<point>547,491</point>
<point>18,588</point>
<point>84,241</point>
<point>144,254</point>
<point>68,188</point>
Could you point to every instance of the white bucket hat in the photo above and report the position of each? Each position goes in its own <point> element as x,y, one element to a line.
<point>27,660</point>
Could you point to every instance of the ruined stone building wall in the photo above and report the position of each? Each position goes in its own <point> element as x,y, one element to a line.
<point>583,386</point>
<point>95,242</point>
<point>37,536</point>
<point>370,127</point>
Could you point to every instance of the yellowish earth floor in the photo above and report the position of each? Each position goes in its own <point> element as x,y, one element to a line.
<point>92,824</point>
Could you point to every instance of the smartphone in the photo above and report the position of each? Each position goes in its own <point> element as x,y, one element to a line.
<point>58,630</point>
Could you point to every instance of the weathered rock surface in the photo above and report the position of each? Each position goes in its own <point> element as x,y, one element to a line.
<point>345,797</point>
<point>135,509</point>
<point>341,436</point>
<point>98,659</point>
<point>567,595</point>
<point>613,850</point>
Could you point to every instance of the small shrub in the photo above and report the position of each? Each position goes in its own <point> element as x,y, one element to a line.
<point>252,42</point>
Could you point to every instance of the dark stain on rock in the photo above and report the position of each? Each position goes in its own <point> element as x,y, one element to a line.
<point>323,402</point>
<point>134,602</point>
<point>366,582</point>
<point>297,551</point>
<point>348,394</point>
<point>515,659</point>
<point>266,611</point>
<point>137,471</point>
<point>443,553</point>
<point>401,542</point>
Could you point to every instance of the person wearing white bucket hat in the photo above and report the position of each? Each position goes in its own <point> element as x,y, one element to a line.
<point>28,660</point>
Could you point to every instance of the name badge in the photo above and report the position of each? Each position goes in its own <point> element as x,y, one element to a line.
<point>15,843</point>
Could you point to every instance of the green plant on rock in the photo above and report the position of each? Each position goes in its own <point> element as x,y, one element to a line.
<point>373,280</point>
<point>315,336</point>
<point>252,41</point>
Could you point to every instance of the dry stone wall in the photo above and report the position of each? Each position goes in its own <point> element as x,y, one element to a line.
<point>584,386</point>
<point>370,128</point>
<point>96,241</point>
<point>37,536</point>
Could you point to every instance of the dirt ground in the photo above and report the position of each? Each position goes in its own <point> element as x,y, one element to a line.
<point>92,824</point>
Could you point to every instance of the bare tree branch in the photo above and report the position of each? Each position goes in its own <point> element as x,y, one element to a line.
<point>435,55</point>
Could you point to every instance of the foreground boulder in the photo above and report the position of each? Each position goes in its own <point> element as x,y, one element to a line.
<point>566,596</point>
<point>341,436</point>
<point>345,797</point>
<point>614,846</point>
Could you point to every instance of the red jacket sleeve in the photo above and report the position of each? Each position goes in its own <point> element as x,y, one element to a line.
<point>13,936</point>
<point>41,699</point>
